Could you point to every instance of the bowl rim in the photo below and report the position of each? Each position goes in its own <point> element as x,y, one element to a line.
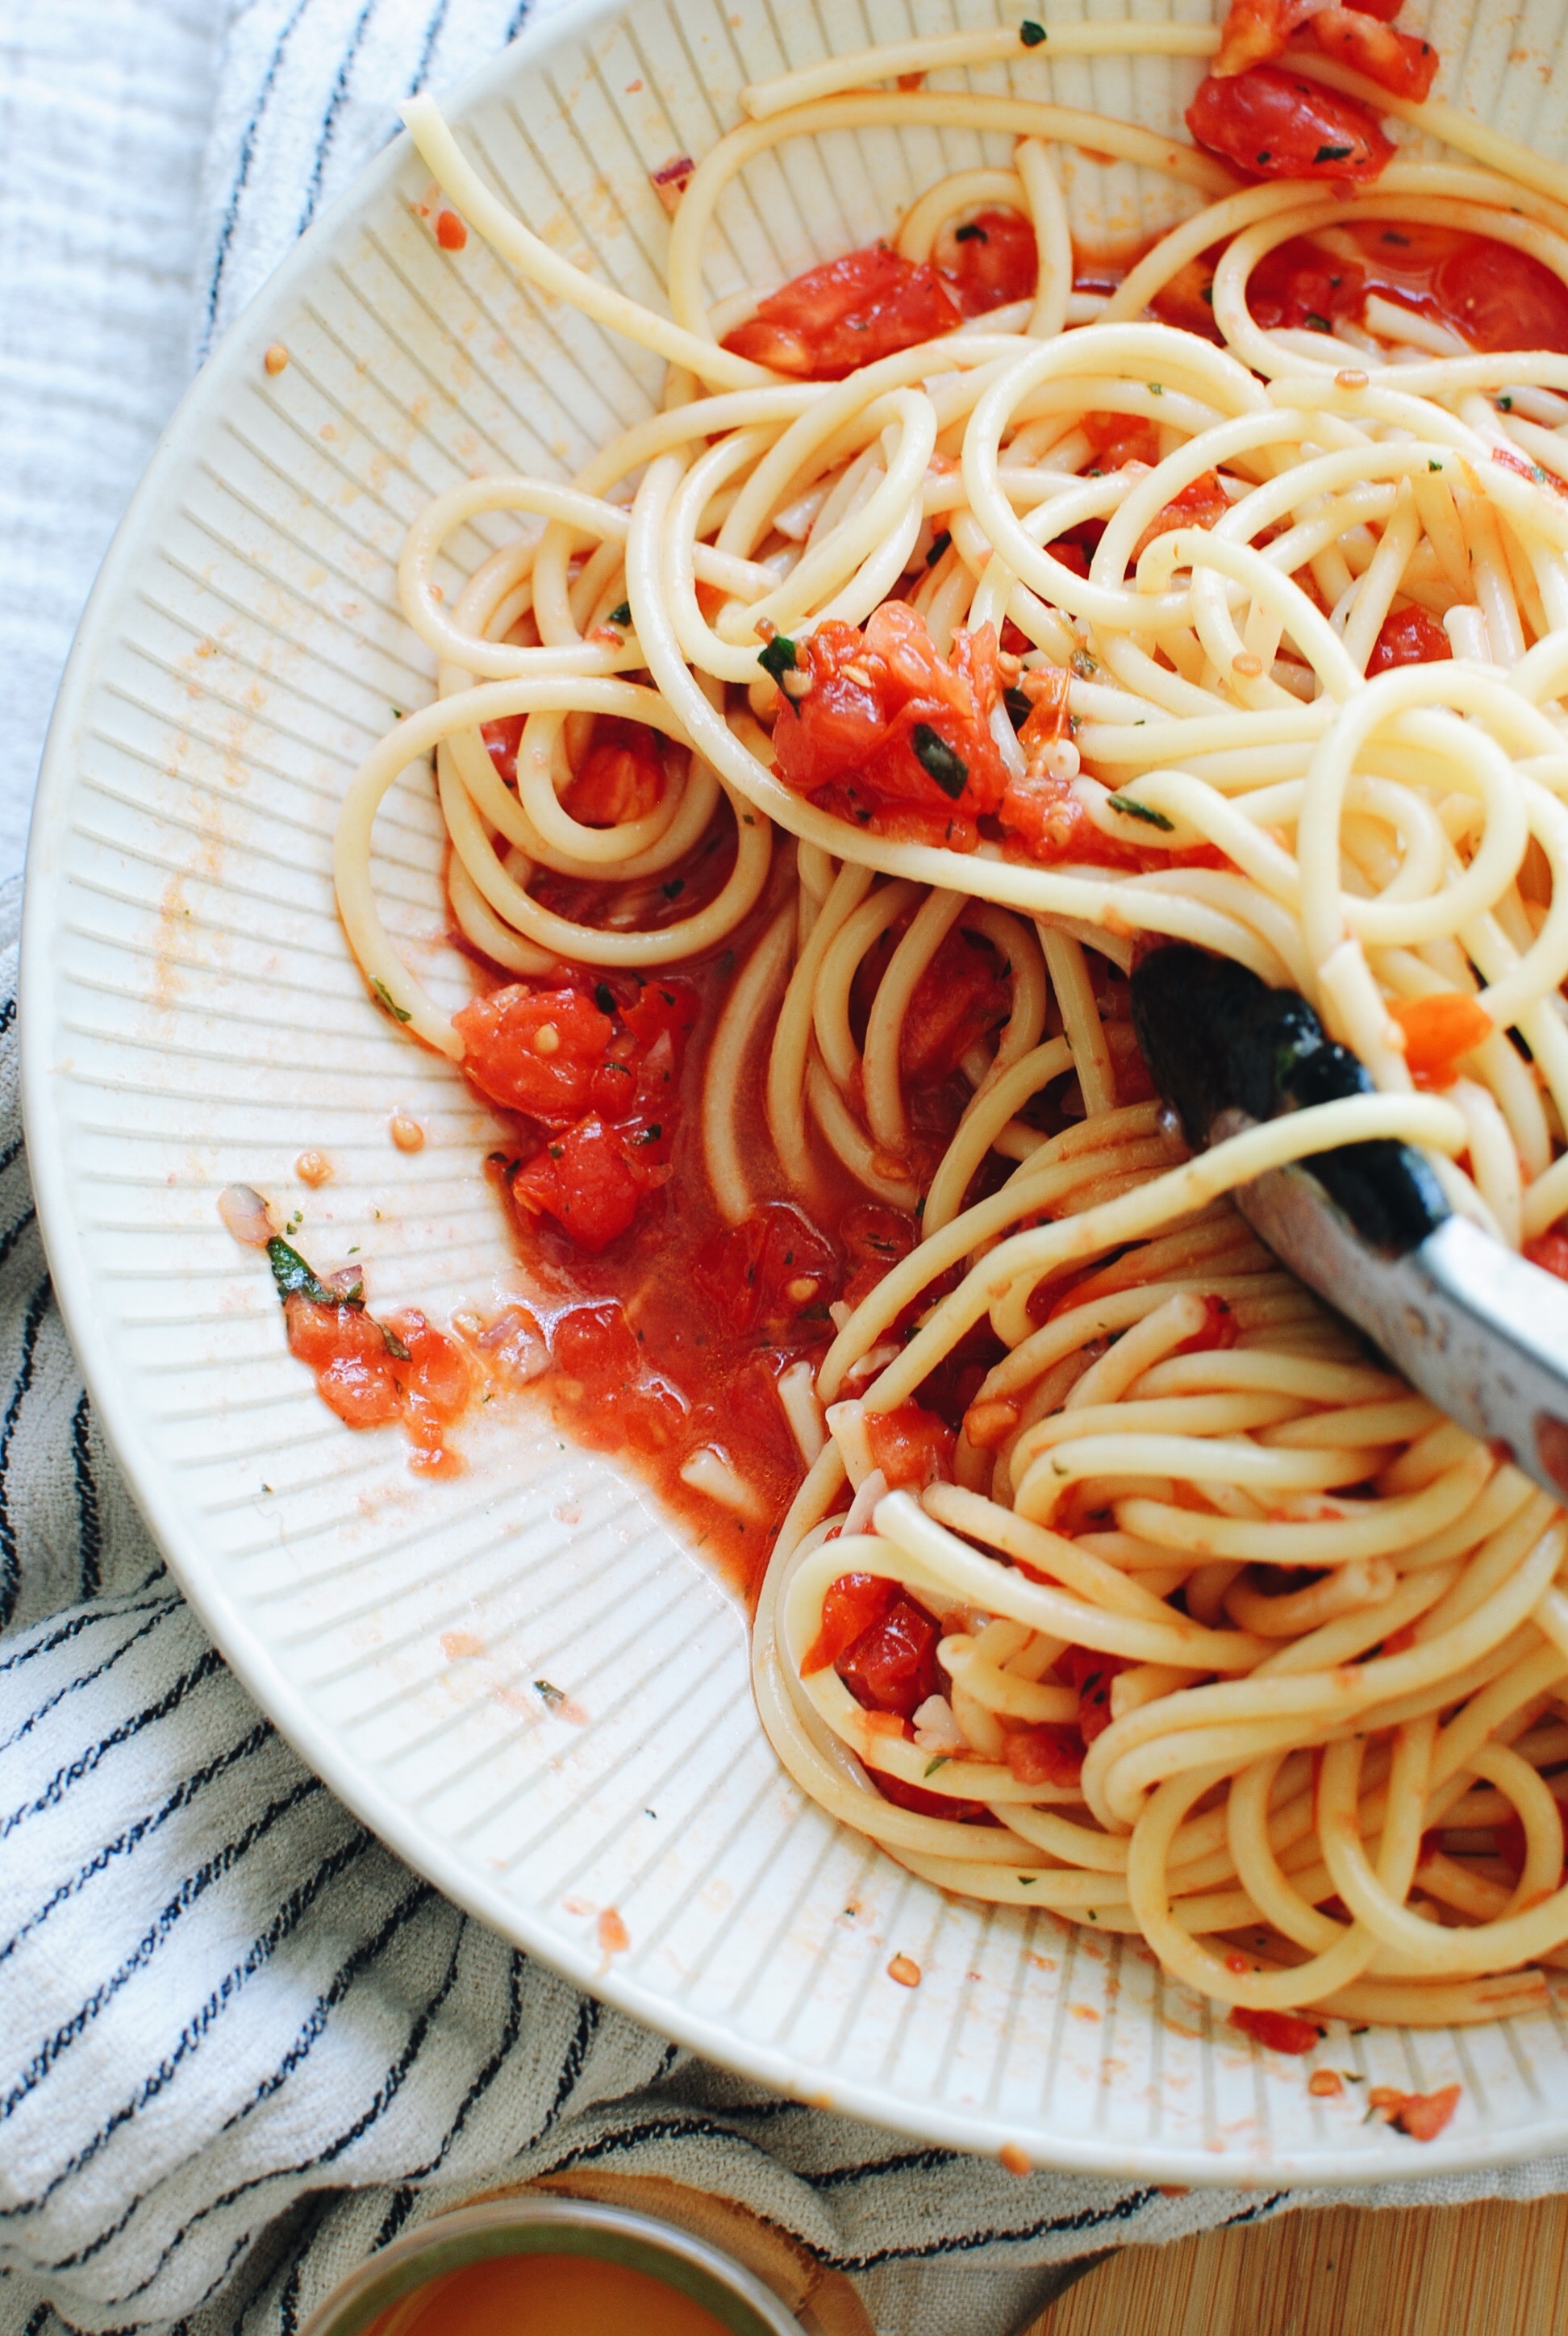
<point>783,2072</point>
<point>350,2307</point>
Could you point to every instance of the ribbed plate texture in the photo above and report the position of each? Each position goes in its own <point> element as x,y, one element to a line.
<point>192,1018</point>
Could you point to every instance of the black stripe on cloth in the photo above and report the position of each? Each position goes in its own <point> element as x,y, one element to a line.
<point>397,2214</point>
<point>242,175</point>
<point>590,2012</point>
<point>18,1143</point>
<point>207,1662</point>
<point>385,2093</point>
<point>37,1307</point>
<point>289,2301</point>
<point>88,1524</point>
<point>163,1609</point>
<point>194,1888</point>
<point>481,2083</point>
<point>8,1015</point>
<point>334,105</point>
<point>1252,2214</point>
<point>257,1957</point>
<point>421,70</point>
<point>518,18</point>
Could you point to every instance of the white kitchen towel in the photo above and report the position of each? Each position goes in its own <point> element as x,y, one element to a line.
<point>240,2044</point>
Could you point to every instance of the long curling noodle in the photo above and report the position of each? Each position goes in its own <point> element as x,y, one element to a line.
<point>1335,1628</point>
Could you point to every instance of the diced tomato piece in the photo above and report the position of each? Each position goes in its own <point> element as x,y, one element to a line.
<point>1549,1252</point>
<point>1220,1331</point>
<point>1200,503</point>
<point>887,730</point>
<point>1256,32</point>
<point>1091,1673</point>
<point>1423,2115</point>
<point>434,1380</point>
<point>1119,439</point>
<point>1045,1756</point>
<point>353,1366</point>
<point>959,999</point>
<point>1500,298</point>
<point>663,1006</point>
<point>1053,825</point>
<point>1133,1084</point>
<point>1282,2031</point>
<point>910,1445</point>
<point>503,1054</point>
<point>846,314</point>
<point>769,1268</point>
<point>854,1603</point>
<point>590,1179</point>
<point>502,738</point>
<point>596,1345</point>
<point>1438,1031</point>
<point>1297,285</point>
<point>449,231</point>
<point>892,1665</point>
<point>1408,636</point>
<point>1385,11</point>
<point>620,778</point>
<point>990,260</point>
<point>1398,62</point>
<point>1276,126</point>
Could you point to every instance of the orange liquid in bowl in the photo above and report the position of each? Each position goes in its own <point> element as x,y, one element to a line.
<point>545,2295</point>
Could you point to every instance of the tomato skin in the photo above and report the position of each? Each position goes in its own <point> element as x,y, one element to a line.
<point>1220,1331</point>
<point>1398,62</point>
<point>1422,2116</point>
<point>1119,439</point>
<point>1091,1673</point>
<point>620,778</point>
<point>847,313</point>
<point>1045,1756</point>
<point>989,262</point>
<point>354,1366</point>
<point>1549,1252</point>
<point>588,1178</point>
<point>854,1602</point>
<point>959,999</point>
<point>1274,125</point>
<point>758,1269</point>
<point>1438,1031</point>
<point>910,1447</point>
<point>502,739</point>
<point>1200,503</point>
<point>663,1006</point>
<point>1409,637</point>
<point>1500,298</point>
<point>434,1380</point>
<point>1282,2031</point>
<point>500,1036</point>
<point>1297,285</point>
<point>850,742</point>
<point>892,1665</point>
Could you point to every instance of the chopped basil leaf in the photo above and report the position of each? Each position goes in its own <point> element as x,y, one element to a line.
<point>1030,33</point>
<point>940,1761</point>
<point>394,1346</point>
<point>937,760</point>
<point>1316,324</point>
<point>940,544</point>
<point>1135,810</point>
<point>971,232</point>
<point>1507,403</point>
<point>1157,389</point>
<point>778,658</point>
<point>649,1135</point>
<point>1083,664</point>
<point>674,889</point>
<point>604,998</point>
<point>621,616</point>
<point>1018,707</point>
<point>295,1277</point>
<point>398,1013</point>
<point>552,1695</point>
<point>1433,466</point>
<point>1333,154</point>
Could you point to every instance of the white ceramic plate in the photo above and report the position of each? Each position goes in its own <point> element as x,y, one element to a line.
<point>191,1016</point>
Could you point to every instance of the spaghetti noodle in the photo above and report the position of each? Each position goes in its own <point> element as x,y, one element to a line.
<point>1227,601</point>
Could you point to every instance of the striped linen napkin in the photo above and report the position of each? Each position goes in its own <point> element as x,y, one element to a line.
<point>241,2045</point>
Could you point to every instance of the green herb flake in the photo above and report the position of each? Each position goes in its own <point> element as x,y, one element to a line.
<point>1018,707</point>
<point>394,1346</point>
<point>604,998</point>
<point>1083,664</point>
<point>1157,389</point>
<point>1130,807</point>
<point>940,1761</point>
<point>553,1695</point>
<point>295,1277</point>
<point>621,616</point>
<point>940,544</point>
<point>674,889</point>
<point>1316,324</point>
<point>1031,34</point>
<point>971,232</point>
<point>780,656</point>
<point>398,1013</point>
<point>1333,154</point>
<point>1432,465</point>
<point>1506,402</point>
<point>937,760</point>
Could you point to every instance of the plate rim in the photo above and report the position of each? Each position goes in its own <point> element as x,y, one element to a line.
<point>247,1654</point>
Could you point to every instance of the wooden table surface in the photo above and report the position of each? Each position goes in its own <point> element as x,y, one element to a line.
<point>1490,2270</point>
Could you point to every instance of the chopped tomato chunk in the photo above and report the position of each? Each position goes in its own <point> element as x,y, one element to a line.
<point>1282,2031</point>
<point>1091,1673</point>
<point>1277,125</point>
<point>853,1602</point>
<point>1200,503</point>
<point>1045,1756</point>
<point>1438,1031</point>
<point>590,1179</point>
<point>989,262</point>
<point>1119,439</point>
<point>1549,1252</point>
<point>534,1050</point>
<point>1423,2115</point>
<point>1408,636</point>
<point>434,1379</point>
<point>1299,285</point>
<point>621,777</point>
<point>1398,62</point>
<point>347,1350</point>
<point>1255,32</point>
<point>848,313</point>
<point>910,1445</point>
<point>768,1269</point>
<point>892,1665</point>
<point>1220,1331</point>
<point>884,729</point>
<point>959,999</point>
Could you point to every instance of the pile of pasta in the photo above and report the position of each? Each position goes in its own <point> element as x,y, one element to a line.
<point>1335,1675</point>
